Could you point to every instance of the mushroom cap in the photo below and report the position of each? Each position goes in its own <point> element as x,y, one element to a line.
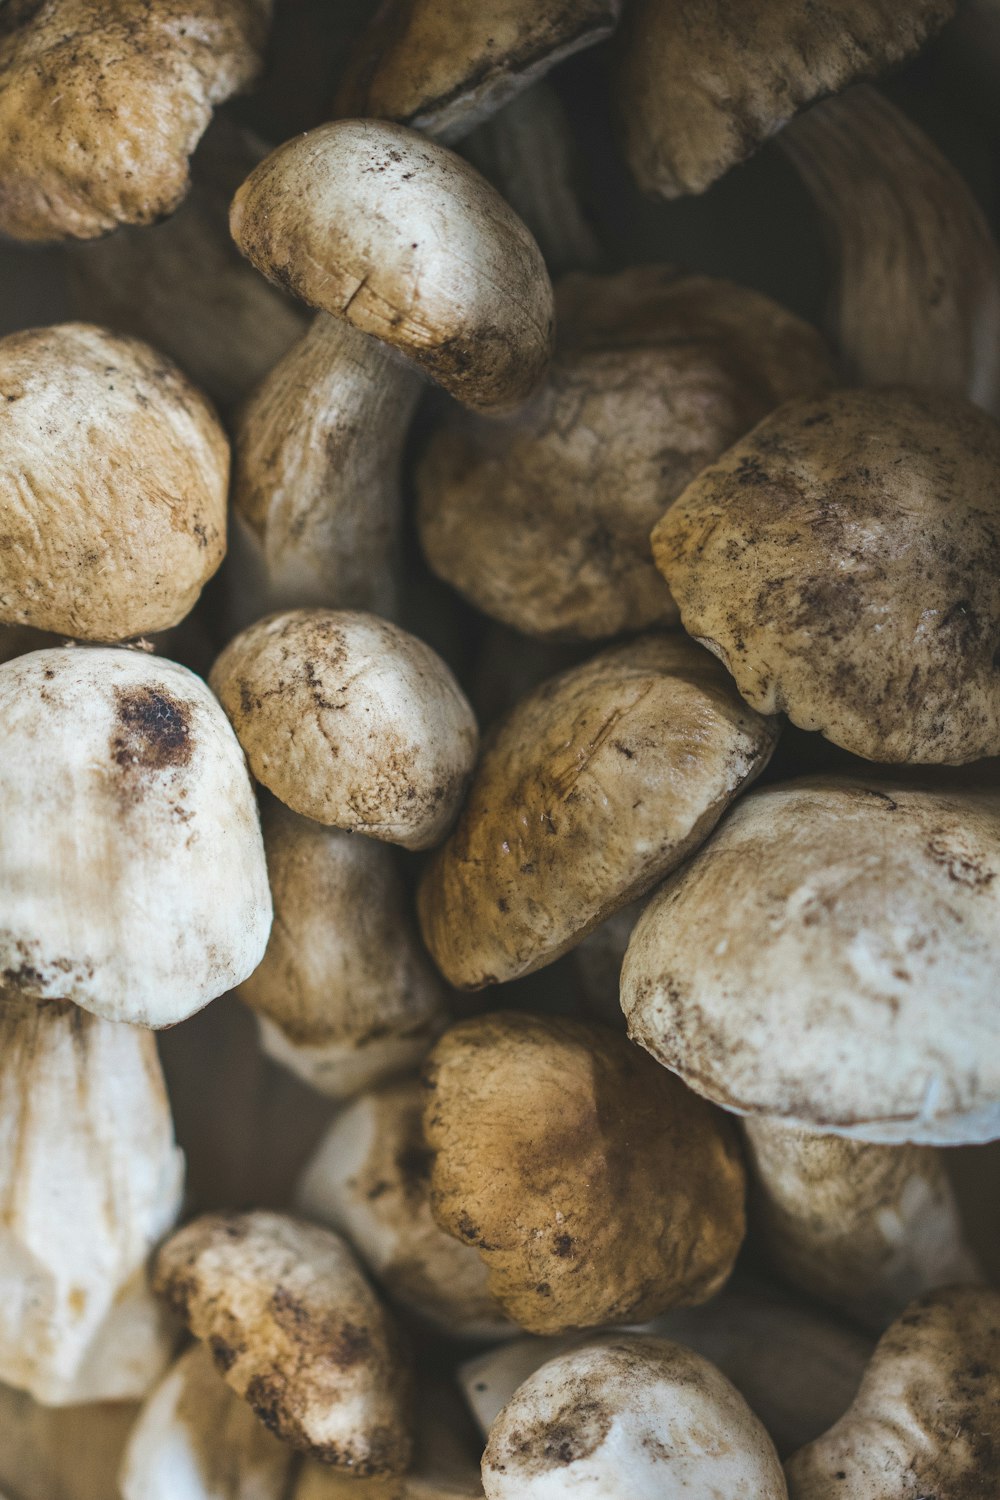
<point>632,1416</point>
<point>297,1332</point>
<point>103,101</point>
<point>700,87</point>
<point>371,222</point>
<point>843,561</point>
<point>351,721</point>
<point>598,783</point>
<point>830,958</point>
<point>926,1420</point>
<point>132,871</point>
<point>593,1185</point>
<point>113,479</point>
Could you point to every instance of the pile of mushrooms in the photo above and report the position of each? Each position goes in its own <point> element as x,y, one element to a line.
<point>499,751</point>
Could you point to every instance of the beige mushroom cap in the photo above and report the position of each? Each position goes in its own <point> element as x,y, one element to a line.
<point>926,1421</point>
<point>830,958</point>
<point>701,86</point>
<point>132,871</point>
<point>351,721</point>
<point>598,783</point>
<point>103,101</point>
<point>113,480</point>
<point>631,1416</point>
<point>843,561</point>
<point>297,1332</point>
<point>595,1188</point>
<point>371,222</point>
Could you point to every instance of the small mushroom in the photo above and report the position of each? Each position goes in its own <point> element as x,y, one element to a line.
<point>132,871</point>
<point>594,1187</point>
<point>843,561</point>
<point>113,480</point>
<point>297,1332</point>
<point>852,988</point>
<point>103,101</point>
<point>61,1452</point>
<point>926,1421</point>
<point>601,781</point>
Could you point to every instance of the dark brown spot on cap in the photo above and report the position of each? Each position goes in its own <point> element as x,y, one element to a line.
<point>153,730</point>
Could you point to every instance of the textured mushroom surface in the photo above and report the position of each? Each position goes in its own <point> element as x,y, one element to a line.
<point>852,986</point>
<point>843,560</point>
<point>595,1187</point>
<point>297,1332</point>
<point>113,480</point>
<point>597,784</point>
<point>132,871</point>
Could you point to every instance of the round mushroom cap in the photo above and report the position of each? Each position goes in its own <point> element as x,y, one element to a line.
<point>103,101</point>
<point>351,721</point>
<point>598,783</point>
<point>542,520</point>
<point>594,1186</point>
<point>632,1416</point>
<point>373,223</point>
<point>926,1420</point>
<point>113,479</point>
<point>132,871</point>
<point>830,958</point>
<point>297,1332</point>
<point>843,560</point>
<point>700,87</point>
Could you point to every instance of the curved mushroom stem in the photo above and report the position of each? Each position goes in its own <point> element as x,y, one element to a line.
<point>918,270</point>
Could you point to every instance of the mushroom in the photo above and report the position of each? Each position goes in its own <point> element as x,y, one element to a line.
<point>594,1187</point>
<point>601,781</point>
<point>632,1416</point>
<point>297,1332</point>
<point>90,1178</point>
<point>926,1420</point>
<point>132,871</point>
<point>350,721</point>
<point>843,561</point>
<point>113,479</point>
<point>542,520</point>
<point>852,988</point>
<point>61,1452</point>
<point>700,88</point>
<point>369,1179</point>
<point>345,995</point>
<point>103,101</point>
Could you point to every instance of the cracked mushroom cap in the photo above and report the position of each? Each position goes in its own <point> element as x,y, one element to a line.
<point>601,781</point>
<point>114,472</point>
<point>632,1416</point>
<point>132,871</point>
<point>701,86</point>
<point>102,103</point>
<point>297,1332</point>
<point>371,222</point>
<point>926,1421</point>
<point>595,1187</point>
<point>843,561</point>
<point>542,519</point>
<point>350,721</point>
<point>870,1008</point>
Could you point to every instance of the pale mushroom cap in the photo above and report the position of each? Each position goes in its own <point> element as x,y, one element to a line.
<point>842,560</point>
<point>371,222</point>
<point>113,480</point>
<point>61,1452</point>
<point>830,958</point>
<point>103,101</point>
<point>630,1416</point>
<point>297,1332</point>
<point>594,1187</point>
<point>350,721</point>
<point>598,783</point>
<point>132,871</point>
<point>701,86</point>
